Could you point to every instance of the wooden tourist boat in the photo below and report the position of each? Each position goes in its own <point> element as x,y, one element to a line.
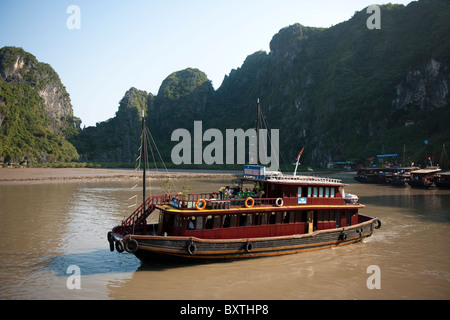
<point>442,180</point>
<point>291,214</point>
<point>401,176</point>
<point>283,214</point>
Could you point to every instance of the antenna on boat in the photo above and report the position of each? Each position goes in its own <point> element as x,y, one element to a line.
<point>258,112</point>
<point>298,159</point>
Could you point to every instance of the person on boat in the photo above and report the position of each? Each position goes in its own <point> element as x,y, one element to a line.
<point>236,189</point>
<point>221,192</point>
<point>191,224</point>
<point>228,191</point>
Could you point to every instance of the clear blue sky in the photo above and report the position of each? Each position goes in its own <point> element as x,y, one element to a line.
<point>138,43</point>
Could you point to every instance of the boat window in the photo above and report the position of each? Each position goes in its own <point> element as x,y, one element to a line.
<point>332,192</point>
<point>200,223</point>
<point>298,216</point>
<point>272,218</point>
<point>315,192</point>
<point>332,216</point>
<point>216,221</point>
<point>327,192</point>
<point>257,219</point>
<point>293,192</point>
<point>264,218</point>
<point>249,219</point>
<point>191,223</point>
<point>299,191</point>
<point>320,215</point>
<point>209,222</point>
<point>321,192</point>
<point>292,217</point>
<point>278,217</point>
<point>233,222</point>
<point>309,191</point>
<point>242,220</point>
<point>226,221</point>
<point>176,221</point>
<point>289,192</point>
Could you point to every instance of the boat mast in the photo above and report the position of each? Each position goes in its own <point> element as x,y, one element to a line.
<point>144,160</point>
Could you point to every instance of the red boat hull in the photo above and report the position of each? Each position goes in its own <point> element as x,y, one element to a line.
<point>152,248</point>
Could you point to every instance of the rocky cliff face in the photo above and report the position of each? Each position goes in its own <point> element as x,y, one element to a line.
<point>425,87</point>
<point>19,67</point>
<point>36,115</point>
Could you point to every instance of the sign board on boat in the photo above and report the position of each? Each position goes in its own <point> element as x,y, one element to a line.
<point>254,171</point>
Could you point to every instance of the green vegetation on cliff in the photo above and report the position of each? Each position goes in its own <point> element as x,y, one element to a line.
<point>117,139</point>
<point>28,130</point>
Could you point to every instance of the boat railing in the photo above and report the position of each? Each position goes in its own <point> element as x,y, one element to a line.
<point>139,212</point>
<point>258,202</point>
<point>290,178</point>
<point>215,201</point>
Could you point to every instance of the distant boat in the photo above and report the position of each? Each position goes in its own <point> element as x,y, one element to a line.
<point>442,180</point>
<point>401,176</point>
<point>383,175</point>
<point>367,175</point>
<point>423,178</point>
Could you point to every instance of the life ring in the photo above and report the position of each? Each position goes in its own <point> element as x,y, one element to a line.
<point>110,240</point>
<point>131,245</point>
<point>200,207</point>
<point>279,202</point>
<point>248,246</point>
<point>119,246</point>
<point>377,224</point>
<point>247,204</point>
<point>192,248</point>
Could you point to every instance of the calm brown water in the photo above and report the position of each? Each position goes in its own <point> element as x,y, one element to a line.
<point>46,228</point>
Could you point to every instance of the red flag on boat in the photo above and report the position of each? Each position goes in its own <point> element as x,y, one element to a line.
<point>300,154</point>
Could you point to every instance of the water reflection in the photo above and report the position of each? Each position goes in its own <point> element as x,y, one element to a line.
<point>99,261</point>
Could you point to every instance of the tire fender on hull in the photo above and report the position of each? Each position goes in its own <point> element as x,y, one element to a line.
<point>119,246</point>
<point>110,240</point>
<point>131,245</point>
<point>191,247</point>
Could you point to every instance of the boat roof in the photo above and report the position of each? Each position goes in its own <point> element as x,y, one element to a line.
<point>431,170</point>
<point>258,173</point>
